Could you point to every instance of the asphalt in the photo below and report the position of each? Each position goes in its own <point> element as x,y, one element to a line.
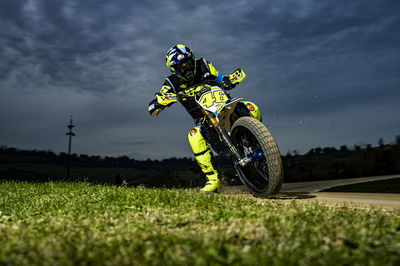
<point>309,192</point>
<point>360,200</point>
<point>316,186</point>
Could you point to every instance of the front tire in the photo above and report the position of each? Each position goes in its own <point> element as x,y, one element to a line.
<point>264,176</point>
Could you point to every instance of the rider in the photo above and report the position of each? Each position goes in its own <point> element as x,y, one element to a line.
<point>187,71</point>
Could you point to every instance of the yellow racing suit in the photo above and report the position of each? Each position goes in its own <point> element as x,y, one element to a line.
<point>206,73</point>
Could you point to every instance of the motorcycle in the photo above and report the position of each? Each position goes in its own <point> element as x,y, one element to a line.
<point>235,134</point>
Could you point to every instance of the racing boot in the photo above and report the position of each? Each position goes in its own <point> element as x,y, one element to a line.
<point>203,157</point>
<point>212,185</point>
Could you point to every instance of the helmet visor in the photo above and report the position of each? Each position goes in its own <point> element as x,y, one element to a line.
<point>185,68</point>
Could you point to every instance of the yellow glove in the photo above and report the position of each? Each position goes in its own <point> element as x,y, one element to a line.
<point>166,99</point>
<point>237,76</point>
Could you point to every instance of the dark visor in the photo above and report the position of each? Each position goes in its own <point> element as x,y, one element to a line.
<point>185,67</point>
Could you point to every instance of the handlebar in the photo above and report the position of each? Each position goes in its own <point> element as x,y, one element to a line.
<point>181,95</point>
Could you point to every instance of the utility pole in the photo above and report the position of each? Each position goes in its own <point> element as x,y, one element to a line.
<point>70,134</point>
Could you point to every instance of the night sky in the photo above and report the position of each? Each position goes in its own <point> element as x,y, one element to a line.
<point>324,73</point>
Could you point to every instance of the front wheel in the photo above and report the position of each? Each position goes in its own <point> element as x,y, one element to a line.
<point>263,175</point>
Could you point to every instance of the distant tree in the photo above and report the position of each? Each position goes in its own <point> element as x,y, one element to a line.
<point>63,155</point>
<point>95,158</point>
<point>381,143</point>
<point>11,150</point>
<point>344,148</point>
<point>51,154</point>
<point>123,158</point>
<point>84,156</point>
<point>329,151</point>
<point>398,139</point>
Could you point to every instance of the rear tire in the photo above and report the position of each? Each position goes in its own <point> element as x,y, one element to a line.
<point>265,177</point>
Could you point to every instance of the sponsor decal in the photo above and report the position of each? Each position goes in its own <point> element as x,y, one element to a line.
<point>193,132</point>
<point>233,149</point>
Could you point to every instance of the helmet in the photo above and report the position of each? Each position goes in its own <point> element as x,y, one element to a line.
<point>181,61</point>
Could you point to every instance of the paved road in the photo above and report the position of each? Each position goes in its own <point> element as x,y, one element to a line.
<point>381,200</point>
<point>316,186</point>
<point>308,192</point>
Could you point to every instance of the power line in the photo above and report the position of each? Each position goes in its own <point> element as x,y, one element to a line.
<point>70,134</point>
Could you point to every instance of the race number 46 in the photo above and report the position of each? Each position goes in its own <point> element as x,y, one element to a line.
<point>210,98</point>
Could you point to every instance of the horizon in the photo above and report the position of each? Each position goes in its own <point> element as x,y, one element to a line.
<point>292,152</point>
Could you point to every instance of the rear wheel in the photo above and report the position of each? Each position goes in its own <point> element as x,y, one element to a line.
<point>263,175</point>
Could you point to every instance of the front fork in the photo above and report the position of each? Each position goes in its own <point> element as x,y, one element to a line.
<point>225,138</point>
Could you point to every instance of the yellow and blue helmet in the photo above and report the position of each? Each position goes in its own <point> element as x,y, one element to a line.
<point>181,61</point>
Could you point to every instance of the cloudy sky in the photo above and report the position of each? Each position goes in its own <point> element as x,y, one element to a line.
<point>324,73</point>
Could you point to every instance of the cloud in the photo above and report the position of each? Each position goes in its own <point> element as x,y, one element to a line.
<point>102,62</point>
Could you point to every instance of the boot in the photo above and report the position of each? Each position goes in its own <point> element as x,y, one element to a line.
<point>212,185</point>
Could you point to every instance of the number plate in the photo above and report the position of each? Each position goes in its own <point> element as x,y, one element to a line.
<point>212,99</point>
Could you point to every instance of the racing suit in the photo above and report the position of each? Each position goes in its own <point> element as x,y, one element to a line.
<point>206,73</point>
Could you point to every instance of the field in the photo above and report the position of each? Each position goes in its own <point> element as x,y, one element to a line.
<point>81,223</point>
<point>93,174</point>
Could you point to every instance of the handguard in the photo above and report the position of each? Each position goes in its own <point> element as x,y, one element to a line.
<point>237,76</point>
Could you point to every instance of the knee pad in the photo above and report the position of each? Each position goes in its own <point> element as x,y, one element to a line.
<point>197,141</point>
<point>202,152</point>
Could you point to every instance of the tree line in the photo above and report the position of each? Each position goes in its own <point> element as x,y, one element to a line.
<point>332,163</point>
<point>317,164</point>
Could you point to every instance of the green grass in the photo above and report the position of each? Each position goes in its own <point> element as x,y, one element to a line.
<point>82,224</point>
<point>383,186</point>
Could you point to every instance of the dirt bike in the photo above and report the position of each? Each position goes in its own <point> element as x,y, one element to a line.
<point>238,136</point>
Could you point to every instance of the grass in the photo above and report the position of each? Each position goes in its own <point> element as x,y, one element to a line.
<point>383,186</point>
<point>80,223</point>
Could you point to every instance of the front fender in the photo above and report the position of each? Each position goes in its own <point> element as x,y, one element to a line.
<point>225,111</point>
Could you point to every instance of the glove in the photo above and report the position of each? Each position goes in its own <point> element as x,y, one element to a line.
<point>166,99</point>
<point>155,108</point>
<point>237,76</point>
